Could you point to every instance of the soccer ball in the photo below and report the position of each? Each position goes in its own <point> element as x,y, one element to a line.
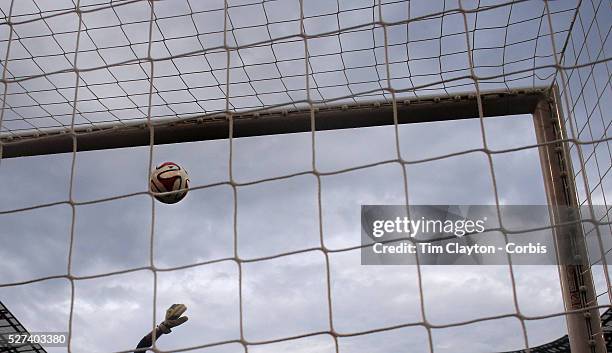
<point>168,177</point>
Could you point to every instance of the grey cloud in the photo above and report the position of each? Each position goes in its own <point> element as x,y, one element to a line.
<point>285,296</point>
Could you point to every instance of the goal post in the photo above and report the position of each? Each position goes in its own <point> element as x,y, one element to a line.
<point>276,121</point>
<point>95,76</point>
<point>579,295</point>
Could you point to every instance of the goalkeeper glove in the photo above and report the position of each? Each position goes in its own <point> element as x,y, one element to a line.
<point>173,318</point>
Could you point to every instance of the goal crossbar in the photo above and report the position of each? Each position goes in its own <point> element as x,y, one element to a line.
<point>275,121</point>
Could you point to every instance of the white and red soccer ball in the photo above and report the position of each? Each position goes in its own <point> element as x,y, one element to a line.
<point>169,177</point>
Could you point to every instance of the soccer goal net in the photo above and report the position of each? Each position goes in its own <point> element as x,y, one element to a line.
<point>290,115</point>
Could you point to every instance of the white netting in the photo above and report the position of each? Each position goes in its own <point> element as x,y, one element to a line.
<point>70,66</point>
<point>425,51</point>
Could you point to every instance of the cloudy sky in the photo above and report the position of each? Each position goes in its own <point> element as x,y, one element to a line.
<point>284,296</point>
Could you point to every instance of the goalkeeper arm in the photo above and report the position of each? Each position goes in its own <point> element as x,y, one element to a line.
<point>173,319</point>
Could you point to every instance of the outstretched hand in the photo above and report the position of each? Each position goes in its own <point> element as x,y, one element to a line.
<point>173,317</point>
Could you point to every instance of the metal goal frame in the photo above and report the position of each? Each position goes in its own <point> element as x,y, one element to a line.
<point>582,315</point>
